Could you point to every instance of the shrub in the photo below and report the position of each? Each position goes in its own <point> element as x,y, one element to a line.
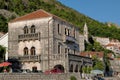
<point>73,78</point>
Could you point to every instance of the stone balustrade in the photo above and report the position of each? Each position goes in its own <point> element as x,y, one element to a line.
<point>30,58</point>
<point>35,36</point>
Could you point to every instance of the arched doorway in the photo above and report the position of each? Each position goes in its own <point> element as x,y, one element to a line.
<point>60,67</point>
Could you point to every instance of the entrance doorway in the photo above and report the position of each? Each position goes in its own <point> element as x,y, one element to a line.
<point>34,69</point>
<point>60,67</point>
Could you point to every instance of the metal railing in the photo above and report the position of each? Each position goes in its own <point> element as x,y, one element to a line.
<point>69,38</point>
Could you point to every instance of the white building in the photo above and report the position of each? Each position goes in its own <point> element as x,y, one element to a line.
<point>4,43</point>
<point>102,41</point>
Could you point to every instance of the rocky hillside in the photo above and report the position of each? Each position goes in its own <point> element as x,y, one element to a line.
<point>12,8</point>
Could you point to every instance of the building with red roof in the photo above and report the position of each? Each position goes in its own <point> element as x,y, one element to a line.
<point>43,41</point>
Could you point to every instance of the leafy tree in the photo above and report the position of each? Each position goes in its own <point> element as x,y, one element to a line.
<point>3,24</point>
<point>106,61</point>
<point>88,46</point>
<point>97,46</point>
<point>97,64</point>
<point>2,53</point>
<point>84,69</point>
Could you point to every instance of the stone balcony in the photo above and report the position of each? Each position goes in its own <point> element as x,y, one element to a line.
<point>34,36</point>
<point>30,58</point>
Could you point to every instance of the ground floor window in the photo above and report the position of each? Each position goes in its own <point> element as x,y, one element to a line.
<point>34,69</point>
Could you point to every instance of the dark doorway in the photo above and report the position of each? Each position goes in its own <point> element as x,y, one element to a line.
<point>60,67</point>
<point>34,69</point>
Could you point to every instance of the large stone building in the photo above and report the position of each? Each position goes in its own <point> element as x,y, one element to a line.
<point>42,41</point>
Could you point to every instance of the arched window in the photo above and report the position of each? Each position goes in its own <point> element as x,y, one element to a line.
<point>33,29</point>
<point>33,51</point>
<point>25,30</point>
<point>25,51</point>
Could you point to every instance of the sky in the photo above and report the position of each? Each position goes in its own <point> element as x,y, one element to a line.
<point>100,10</point>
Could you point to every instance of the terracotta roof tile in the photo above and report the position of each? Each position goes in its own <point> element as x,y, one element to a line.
<point>117,58</point>
<point>98,54</point>
<point>109,45</point>
<point>36,14</point>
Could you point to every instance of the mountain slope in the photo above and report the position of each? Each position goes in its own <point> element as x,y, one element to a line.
<point>22,7</point>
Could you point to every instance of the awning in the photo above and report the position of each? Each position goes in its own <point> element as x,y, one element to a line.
<point>5,64</point>
<point>97,72</point>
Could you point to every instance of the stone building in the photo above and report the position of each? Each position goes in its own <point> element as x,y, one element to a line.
<point>81,43</point>
<point>42,41</point>
<point>103,41</point>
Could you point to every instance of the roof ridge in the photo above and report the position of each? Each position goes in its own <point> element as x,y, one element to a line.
<point>45,12</point>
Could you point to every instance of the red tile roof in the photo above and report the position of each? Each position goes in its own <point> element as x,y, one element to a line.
<point>117,58</point>
<point>109,45</point>
<point>36,14</point>
<point>98,54</point>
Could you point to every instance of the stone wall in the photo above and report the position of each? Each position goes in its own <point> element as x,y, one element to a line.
<point>37,76</point>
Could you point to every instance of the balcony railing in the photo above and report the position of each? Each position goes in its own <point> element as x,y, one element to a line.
<point>69,38</point>
<point>29,36</point>
<point>30,58</point>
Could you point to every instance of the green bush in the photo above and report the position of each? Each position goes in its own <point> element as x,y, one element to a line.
<point>73,78</point>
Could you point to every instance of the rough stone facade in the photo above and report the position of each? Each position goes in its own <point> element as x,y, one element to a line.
<point>45,43</point>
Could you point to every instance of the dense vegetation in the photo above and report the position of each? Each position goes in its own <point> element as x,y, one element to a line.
<point>3,24</point>
<point>22,7</point>
<point>2,53</point>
